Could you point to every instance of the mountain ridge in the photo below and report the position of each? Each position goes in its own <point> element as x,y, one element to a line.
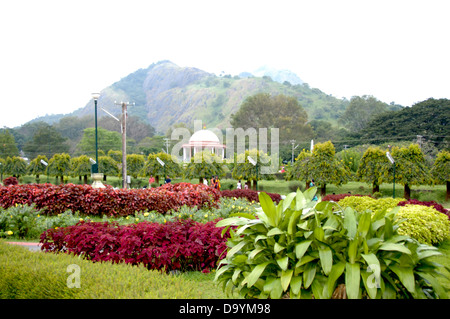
<point>166,94</point>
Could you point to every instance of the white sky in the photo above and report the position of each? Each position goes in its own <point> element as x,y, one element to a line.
<point>55,53</point>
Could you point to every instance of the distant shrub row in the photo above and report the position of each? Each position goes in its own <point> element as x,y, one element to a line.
<point>56,199</point>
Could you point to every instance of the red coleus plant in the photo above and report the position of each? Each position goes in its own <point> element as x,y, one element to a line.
<point>90,201</point>
<point>178,245</point>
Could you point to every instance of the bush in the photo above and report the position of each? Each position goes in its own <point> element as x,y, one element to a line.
<point>19,221</point>
<point>433,204</point>
<point>30,275</point>
<point>108,201</point>
<point>304,249</point>
<point>10,181</point>
<point>176,245</point>
<point>249,194</point>
<point>363,203</point>
<point>423,223</point>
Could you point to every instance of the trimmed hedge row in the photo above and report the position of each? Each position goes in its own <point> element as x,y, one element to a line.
<point>108,201</point>
<point>177,245</point>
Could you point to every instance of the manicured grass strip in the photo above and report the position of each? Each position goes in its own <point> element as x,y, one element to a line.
<point>37,275</point>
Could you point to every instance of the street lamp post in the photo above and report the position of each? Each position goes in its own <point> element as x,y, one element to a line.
<point>95,96</point>
<point>96,176</point>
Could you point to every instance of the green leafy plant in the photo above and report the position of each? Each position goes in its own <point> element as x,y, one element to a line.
<point>19,220</point>
<point>304,249</point>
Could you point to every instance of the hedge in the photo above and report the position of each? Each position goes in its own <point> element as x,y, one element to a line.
<point>108,201</point>
<point>182,244</point>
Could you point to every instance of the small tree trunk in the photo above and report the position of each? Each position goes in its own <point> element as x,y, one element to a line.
<point>375,188</point>
<point>255,184</point>
<point>85,179</point>
<point>323,190</point>
<point>407,192</point>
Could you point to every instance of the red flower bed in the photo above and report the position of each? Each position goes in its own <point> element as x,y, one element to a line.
<point>179,245</point>
<point>90,201</point>
<point>249,194</point>
<point>433,204</point>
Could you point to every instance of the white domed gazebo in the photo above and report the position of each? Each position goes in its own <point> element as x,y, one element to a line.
<point>200,141</point>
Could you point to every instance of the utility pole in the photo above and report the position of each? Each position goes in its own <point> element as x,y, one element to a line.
<point>124,141</point>
<point>167,142</point>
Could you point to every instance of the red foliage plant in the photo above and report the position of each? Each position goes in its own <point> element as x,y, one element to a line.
<point>108,201</point>
<point>176,245</point>
<point>10,181</point>
<point>250,194</point>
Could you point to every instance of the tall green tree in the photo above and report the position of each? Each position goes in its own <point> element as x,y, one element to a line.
<point>263,110</point>
<point>410,168</point>
<point>107,140</point>
<point>46,141</point>
<point>372,167</point>
<point>323,167</point>
<point>300,170</point>
<point>8,145</point>
<point>441,170</point>
<point>360,111</point>
<point>59,165</point>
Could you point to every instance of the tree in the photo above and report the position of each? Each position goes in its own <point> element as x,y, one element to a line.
<point>36,167</point>
<point>107,140</point>
<point>430,119</point>
<point>360,111</point>
<point>15,166</point>
<point>81,166</point>
<point>410,168</point>
<point>46,141</point>
<point>135,164</point>
<point>59,165</point>
<point>7,144</point>
<point>441,170</point>
<point>372,167</point>
<point>323,167</point>
<point>153,168</point>
<point>243,169</point>
<point>108,166</point>
<point>299,170</point>
<point>204,165</point>
<point>283,112</point>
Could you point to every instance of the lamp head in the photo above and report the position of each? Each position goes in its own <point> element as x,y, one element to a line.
<point>95,96</point>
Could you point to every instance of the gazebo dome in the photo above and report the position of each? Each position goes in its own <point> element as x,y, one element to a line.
<point>203,140</point>
<point>204,136</point>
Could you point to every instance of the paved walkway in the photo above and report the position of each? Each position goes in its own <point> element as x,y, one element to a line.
<point>30,246</point>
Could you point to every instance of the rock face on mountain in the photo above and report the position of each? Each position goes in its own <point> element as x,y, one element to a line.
<point>165,94</point>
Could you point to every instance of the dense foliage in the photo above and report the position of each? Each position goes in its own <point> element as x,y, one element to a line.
<point>303,249</point>
<point>249,194</point>
<point>54,200</point>
<point>176,245</point>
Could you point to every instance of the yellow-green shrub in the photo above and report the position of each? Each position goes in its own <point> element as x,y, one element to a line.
<point>363,203</point>
<point>423,223</point>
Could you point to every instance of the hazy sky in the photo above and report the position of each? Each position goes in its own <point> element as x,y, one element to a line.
<point>55,53</point>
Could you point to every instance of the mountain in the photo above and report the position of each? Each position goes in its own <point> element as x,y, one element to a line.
<point>165,94</point>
